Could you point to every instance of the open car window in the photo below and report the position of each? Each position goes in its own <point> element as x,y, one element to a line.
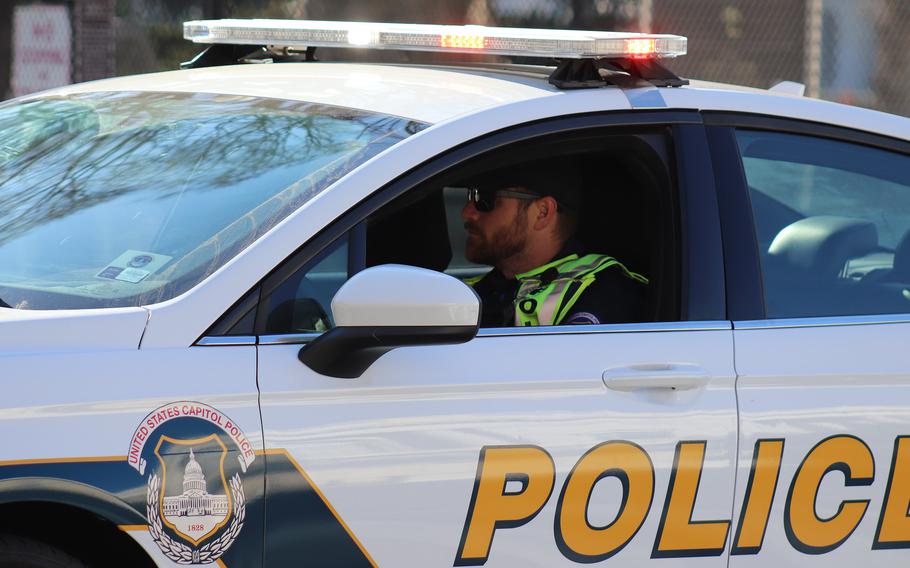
<point>631,214</point>
<point>128,199</point>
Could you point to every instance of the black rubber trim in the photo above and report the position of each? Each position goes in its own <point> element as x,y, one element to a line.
<point>745,293</point>
<point>703,287</point>
<point>229,54</point>
<point>357,247</point>
<point>75,494</point>
<point>223,54</point>
<point>626,73</point>
<point>346,352</point>
<point>458,155</point>
<point>226,324</point>
<point>805,127</point>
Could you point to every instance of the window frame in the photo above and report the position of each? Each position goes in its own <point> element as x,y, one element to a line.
<point>744,275</point>
<point>701,274</point>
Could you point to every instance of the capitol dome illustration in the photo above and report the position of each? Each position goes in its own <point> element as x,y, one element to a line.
<point>195,500</point>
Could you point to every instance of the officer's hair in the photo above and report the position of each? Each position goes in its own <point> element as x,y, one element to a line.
<point>566,222</point>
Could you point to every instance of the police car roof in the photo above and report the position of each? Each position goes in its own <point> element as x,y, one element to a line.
<point>426,93</point>
<point>437,93</point>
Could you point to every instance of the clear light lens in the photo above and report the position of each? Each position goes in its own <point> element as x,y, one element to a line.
<point>418,37</point>
<point>361,38</point>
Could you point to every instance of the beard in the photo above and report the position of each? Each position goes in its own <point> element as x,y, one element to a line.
<point>504,243</point>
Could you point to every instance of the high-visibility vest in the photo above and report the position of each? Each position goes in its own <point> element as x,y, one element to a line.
<point>547,293</point>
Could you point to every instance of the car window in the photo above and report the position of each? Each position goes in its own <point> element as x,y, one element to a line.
<point>128,199</point>
<point>424,227</point>
<point>302,303</point>
<point>833,224</point>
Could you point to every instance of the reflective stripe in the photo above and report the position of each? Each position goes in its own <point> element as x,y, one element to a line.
<point>547,301</point>
<point>538,301</point>
<point>473,280</point>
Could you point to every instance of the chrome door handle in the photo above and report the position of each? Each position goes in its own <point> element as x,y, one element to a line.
<point>656,376</point>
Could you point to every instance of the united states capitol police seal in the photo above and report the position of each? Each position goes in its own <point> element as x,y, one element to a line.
<point>194,458</point>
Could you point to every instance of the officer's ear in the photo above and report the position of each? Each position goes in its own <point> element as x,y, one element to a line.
<point>545,210</point>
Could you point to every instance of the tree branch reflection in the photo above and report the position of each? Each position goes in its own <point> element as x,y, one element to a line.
<point>75,154</point>
<point>195,177</point>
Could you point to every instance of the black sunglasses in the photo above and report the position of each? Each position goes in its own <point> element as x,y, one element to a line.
<point>484,200</point>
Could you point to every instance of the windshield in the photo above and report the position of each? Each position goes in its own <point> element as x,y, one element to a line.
<point>127,199</point>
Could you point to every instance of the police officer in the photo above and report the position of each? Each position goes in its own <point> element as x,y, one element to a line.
<point>522,221</point>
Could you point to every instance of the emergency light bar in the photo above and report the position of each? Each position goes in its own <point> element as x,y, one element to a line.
<point>563,44</point>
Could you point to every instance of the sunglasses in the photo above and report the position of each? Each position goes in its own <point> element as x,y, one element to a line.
<point>484,200</point>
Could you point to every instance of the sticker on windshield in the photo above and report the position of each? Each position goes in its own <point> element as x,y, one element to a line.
<point>133,266</point>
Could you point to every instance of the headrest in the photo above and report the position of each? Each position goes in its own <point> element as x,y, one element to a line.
<point>902,259</point>
<point>390,236</point>
<point>823,244</point>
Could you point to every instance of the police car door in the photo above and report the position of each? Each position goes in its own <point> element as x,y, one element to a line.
<point>543,446</point>
<point>817,222</point>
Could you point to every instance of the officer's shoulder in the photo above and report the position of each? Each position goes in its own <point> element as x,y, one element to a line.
<point>614,270</point>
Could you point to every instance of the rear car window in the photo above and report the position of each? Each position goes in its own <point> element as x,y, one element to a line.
<point>832,222</point>
<point>127,199</point>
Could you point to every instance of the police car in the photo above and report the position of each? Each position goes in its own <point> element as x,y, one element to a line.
<point>235,328</point>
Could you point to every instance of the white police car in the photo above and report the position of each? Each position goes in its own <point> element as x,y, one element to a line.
<point>170,245</point>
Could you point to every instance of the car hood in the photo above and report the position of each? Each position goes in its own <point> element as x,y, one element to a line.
<point>64,330</point>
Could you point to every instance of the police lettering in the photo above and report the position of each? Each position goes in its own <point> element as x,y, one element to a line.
<point>678,535</point>
<point>528,306</point>
<point>494,507</point>
<point>894,523</point>
<point>514,483</point>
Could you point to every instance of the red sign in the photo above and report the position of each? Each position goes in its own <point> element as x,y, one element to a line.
<point>42,48</point>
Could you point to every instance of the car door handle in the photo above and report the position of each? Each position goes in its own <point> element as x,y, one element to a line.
<point>655,376</point>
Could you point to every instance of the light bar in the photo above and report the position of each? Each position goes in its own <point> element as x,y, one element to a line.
<point>567,44</point>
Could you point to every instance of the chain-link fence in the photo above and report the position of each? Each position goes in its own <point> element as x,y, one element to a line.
<point>842,50</point>
<point>39,54</point>
<point>846,50</point>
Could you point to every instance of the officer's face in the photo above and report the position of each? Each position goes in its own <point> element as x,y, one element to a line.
<point>496,235</point>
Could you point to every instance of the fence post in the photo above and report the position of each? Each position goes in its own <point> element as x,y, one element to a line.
<point>6,48</point>
<point>646,16</point>
<point>812,67</point>
<point>94,39</point>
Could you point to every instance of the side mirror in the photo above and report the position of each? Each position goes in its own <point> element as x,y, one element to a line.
<point>391,306</point>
